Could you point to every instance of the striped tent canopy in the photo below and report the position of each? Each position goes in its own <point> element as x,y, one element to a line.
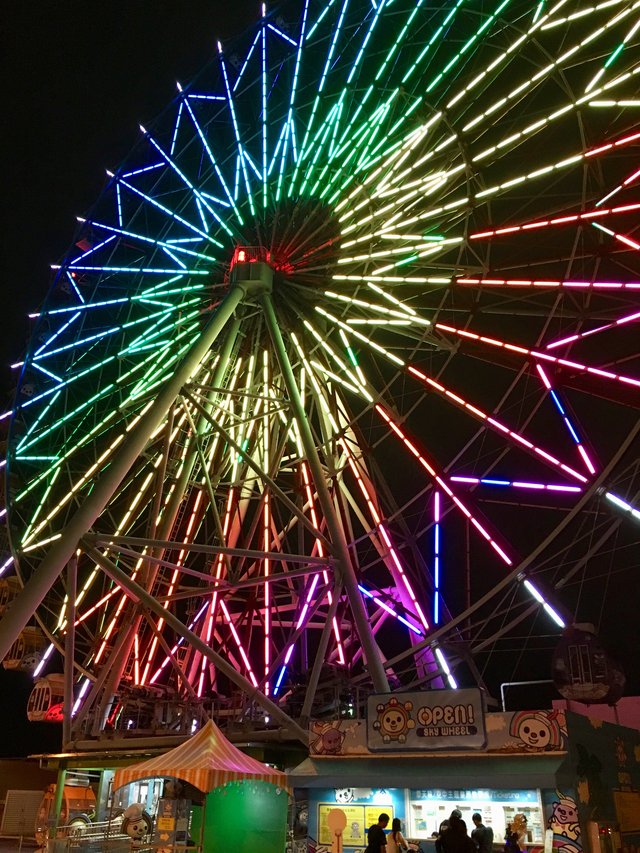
<point>207,760</point>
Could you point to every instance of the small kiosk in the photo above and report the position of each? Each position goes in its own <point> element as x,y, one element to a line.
<point>211,796</point>
<point>573,781</point>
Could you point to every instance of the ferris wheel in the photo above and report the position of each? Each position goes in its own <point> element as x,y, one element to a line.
<point>339,382</point>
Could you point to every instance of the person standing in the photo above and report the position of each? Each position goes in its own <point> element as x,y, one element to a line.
<point>455,838</point>
<point>376,837</point>
<point>396,842</point>
<point>482,835</point>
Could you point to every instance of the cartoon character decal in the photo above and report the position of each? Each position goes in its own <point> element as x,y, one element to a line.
<point>329,739</point>
<point>564,818</point>
<point>537,730</point>
<point>394,720</point>
<point>345,795</point>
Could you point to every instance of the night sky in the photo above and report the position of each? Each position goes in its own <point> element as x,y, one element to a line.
<point>79,79</point>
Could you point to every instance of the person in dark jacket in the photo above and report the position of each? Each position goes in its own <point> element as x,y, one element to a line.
<point>482,836</point>
<point>455,838</point>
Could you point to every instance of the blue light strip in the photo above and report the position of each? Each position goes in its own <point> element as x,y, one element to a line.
<point>175,129</point>
<point>73,284</point>
<point>246,61</point>
<point>236,129</point>
<point>214,163</point>
<point>170,162</point>
<point>169,244</point>
<point>282,35</point>
<point>170,213</point>
<point>383,606</point>
<point>565,418</point>
<point>91,250</point>
<point>290,129</point>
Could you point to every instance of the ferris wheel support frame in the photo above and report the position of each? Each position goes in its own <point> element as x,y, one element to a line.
<point>69,648</point>
<point>32,595</point>
<point>139,594</point>
<point>102,693</point>
<point>344,565</point>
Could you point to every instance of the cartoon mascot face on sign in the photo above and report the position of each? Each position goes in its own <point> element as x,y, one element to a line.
<point>537,730</point>
<point>394,720</point>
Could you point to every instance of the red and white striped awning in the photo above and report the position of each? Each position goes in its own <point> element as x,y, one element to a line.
<point>207,760</point>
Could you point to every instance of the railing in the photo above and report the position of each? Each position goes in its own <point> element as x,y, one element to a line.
<point>107,837</point>
<point>91,838</point>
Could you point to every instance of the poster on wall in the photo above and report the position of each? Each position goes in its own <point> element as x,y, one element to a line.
<point>426,721</point>
<point>359,819</point>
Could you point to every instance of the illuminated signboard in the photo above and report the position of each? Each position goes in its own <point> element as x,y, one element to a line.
<point>426,721</point>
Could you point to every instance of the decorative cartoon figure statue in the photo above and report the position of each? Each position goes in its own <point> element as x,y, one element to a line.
<point>137,824</point>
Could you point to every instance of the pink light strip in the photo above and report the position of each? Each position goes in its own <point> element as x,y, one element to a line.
<point>436,556</point>
<point>621,186</point>
<point>624,141</point>
<point>172,583</point>
<point>573,365</point>
<point>267,594</point>
<point>314,519</point>
<point>536,282</point>
<point>385,535</point>
<point>573,432</point>
<point>443,484</point>
<point>478,413</point>
<point>622,238</point>
<point>516,484</point>
<point>558,220</point>
<point>629,318</point>
<point>177,645</point>
<point>210,618</point>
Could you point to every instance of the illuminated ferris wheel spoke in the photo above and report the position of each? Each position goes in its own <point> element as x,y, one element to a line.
<point>535,354</point>
<point>424,462</point>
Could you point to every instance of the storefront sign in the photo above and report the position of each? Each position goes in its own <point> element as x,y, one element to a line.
<point>426,721</point>
<point>473,795</point>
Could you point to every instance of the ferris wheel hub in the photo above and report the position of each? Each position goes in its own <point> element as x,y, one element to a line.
<point>251,271</point>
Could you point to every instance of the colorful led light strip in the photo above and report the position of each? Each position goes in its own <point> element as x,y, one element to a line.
<point>558,220</point>
<point>563,362</point>
<point>387,609</point>
<point>579,336</point>
<point>622,504</point>
<point>515,484</point>
<point>436,557</point>
<point>443,485</point>
<point>445,668</point>
<point>621,238</point>
<point>551,283</point>
<point>545,604</point>
<point>377,520</point>
<point>496,424</point>
<point>573,432</point>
